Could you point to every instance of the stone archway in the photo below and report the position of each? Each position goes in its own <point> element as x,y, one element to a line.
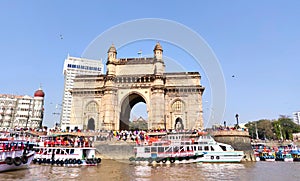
<point>91,124</point>
<point>178,124</point>
<point>126,107</point>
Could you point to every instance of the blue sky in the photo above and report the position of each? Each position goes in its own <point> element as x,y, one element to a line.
<point>256,41</point>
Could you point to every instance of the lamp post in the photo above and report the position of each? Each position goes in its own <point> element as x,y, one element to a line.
<point>237,120</point>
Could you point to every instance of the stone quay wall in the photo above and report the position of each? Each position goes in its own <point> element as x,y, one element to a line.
<point>115,150</point>
<point>239,140</point>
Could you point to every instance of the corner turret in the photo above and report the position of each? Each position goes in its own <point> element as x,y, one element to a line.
<point>158,51</point>
<point>111,59</point>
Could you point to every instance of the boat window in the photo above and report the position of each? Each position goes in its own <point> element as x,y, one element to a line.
<point>169,149</point>
<point>153,149</point>
<point>147,150</point>
<point>199,148</point>
<point>176,149</point>
<point>181,149</point>
<point>206,148</point>
<point>68,151</point>
<point>223,147</point>
<point>195,148</point>
<point>72,151</point>
<point>58,151</point>
<point>211,148</point>
<point>187,148</point>
<point>161,149</point>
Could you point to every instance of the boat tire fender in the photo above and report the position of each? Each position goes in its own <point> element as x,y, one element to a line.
<point>66,161</point>
<point>34,161</point>
<point>9,160</point>
<point>98,160</point>
<point>212,157</point>
<point>79,162</point>
<point>217,157</point>
<point>24,159</point>
<point>17,161</point>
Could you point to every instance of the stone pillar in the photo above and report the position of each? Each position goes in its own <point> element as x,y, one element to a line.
<point>158,109</point>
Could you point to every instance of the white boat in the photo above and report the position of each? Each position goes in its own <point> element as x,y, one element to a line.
<point>14,154</point>
<point>181,148</point>
<point>51,151</point>
<point>66,156</point>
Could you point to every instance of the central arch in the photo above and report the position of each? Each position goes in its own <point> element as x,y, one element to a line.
<point>126,107</point>
<point>91,124</point>
<point>178,124</point>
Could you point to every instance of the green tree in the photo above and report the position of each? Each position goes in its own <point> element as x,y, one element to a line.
<point>282,128</point>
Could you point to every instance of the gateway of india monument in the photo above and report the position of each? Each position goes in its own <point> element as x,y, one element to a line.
<point>173,100</point>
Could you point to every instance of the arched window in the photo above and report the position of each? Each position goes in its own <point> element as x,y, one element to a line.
<point>178,106</point>
<point>92,107</point>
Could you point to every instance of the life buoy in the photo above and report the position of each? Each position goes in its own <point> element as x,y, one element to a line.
<point>24,159</point>
<point>9,160</point>
<point>17,161</point>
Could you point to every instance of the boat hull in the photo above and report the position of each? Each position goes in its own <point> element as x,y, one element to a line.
<point>223,157</point>
<point>8,167</point>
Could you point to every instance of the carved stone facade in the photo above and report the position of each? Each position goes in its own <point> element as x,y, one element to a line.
<point>173,100</point>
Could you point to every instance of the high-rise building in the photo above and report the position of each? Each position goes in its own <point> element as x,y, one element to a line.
<point>74,66</point>
<point>296,117</point>
<point>22,111</point>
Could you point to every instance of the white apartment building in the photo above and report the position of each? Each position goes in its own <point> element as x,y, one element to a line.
<point>296,117</point>
<point>75,66</point>
<point>22,111</point>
